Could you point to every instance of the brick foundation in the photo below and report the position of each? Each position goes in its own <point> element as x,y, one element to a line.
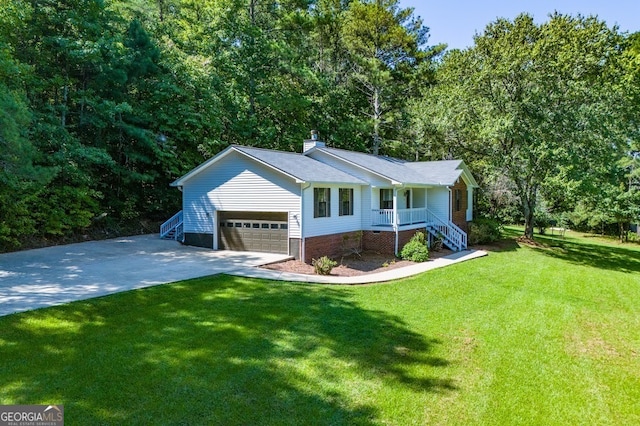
<point>336,245</point>
<point>385,241</point>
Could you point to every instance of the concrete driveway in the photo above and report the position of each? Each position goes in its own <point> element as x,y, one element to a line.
<point>56,275</point>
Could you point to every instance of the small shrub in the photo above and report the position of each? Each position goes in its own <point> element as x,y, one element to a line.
<point>484,231</point>
<point>438,241</point>
<point>323,266</point>
<point>416,249</point>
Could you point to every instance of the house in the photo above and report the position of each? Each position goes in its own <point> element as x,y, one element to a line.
<point>320,202</point>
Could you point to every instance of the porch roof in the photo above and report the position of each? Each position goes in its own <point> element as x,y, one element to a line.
<point>440,173</point>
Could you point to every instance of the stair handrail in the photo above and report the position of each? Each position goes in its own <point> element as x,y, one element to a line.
<point>173,222</point>
<point>450,231</point>
<point>179,235</point>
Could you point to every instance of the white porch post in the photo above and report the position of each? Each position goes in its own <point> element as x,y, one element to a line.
<point>395,206</point>
<point>395,216</point>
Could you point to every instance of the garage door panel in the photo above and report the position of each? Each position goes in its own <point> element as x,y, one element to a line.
<point>253,231</point>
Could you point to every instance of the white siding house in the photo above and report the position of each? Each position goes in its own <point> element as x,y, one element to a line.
<point>238,184</point>
<point>305,204</point>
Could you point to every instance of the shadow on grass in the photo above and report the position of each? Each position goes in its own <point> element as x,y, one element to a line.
<point>582,252</point>
<point>597,256</point>
<point>218,350</point>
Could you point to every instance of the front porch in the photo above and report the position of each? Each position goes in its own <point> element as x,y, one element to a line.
<point>421,217</point>
<point>399,217</point>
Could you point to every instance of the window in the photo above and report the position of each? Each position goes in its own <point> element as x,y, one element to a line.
<point>386,198</point>
<point>346,201</point>
<point>321,202</point>
<point>458,200</point>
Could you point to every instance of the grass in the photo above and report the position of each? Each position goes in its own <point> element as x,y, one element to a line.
<point>528,335</point>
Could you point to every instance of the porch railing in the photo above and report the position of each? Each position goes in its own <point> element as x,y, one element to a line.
<point>451,234</point>
<point>382,217</point>
<point>411,216</point>
<point>404,216</point>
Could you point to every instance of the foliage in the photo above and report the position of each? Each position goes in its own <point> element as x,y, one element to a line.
<point>484,231</point>
<point>541,105</point>
<point>103,104</point>
<point>385,45</point>
<point>323,265</point>
<point>416,249</point>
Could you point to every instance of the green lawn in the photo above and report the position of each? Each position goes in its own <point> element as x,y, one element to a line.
<point>544,335</point>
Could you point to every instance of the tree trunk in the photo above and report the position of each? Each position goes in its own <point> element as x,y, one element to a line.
<point>528,219</point>
<point>528,193</point>
<point>161,10</point>
<point>377,117</point>
<point>252,79</point>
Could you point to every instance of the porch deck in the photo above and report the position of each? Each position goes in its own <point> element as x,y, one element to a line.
<point>403,219</point>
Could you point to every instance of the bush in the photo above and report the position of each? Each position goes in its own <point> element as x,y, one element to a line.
<point>324,265</point>
<point>416,249</point>
<point>437,242</point>
<point>483,231</point>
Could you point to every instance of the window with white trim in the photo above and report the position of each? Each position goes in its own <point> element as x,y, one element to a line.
<point>346,201</point>
<point>321,202</point>
<point>386,199</point>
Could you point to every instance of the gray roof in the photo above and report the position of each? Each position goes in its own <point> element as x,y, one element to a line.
<point>444,172</point>
<point>297,166</point>
<point>307,169</point>
<point>300,166</point>
<point>419,173</point>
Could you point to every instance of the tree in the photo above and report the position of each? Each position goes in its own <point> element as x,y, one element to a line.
<point>535,103</point>
<point>20,180</point>
<point>386,46</point>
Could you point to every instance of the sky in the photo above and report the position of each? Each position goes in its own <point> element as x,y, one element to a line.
<point>455,22</point>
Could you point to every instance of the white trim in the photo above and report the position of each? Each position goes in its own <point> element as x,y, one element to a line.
<point>216,229</point>
<point>467,176</point>
<point>180,181</point>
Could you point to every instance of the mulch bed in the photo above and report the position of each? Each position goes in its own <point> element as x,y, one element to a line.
<point>368,262</point>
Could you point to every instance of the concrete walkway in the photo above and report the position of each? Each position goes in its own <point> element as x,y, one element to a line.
<point>57,275</point>
<point>392,274</point>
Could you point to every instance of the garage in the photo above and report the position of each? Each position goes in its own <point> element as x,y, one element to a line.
<point>266,232</point>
